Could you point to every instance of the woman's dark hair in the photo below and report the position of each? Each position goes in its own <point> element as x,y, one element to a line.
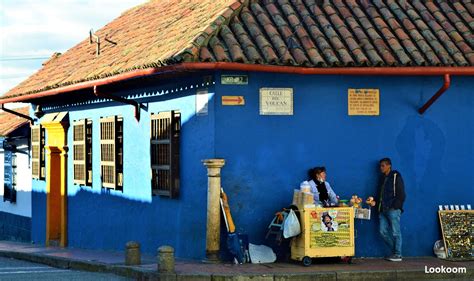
<point>319,170</point>
<point>315,171</point>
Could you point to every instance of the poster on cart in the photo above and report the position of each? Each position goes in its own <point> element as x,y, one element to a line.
<point>330,228</point>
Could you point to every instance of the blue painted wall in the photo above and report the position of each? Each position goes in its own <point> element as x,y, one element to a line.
<point>100,218</point>
<point>268,156</point>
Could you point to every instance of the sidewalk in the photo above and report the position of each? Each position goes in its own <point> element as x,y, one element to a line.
<point>113,262</point>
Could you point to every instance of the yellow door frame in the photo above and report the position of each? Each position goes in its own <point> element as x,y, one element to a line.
<point>56,125</point>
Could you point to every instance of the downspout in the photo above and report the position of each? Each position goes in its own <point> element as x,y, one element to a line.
<point>32,121</point>
<point>121,100</point>
<point>447,83</point>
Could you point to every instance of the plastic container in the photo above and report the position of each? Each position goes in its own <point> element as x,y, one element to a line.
<point>305,187</point>
<point>438,249</point>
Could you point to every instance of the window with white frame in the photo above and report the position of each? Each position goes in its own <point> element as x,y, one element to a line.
<point>111,152</point>
<point>82,152</point>
<point>37,152</point>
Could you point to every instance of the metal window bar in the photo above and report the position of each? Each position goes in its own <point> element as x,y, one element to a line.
<point>119,152</point>
<point>164,146</point>
<point>89,152</point>
<point>175,153</point>
<point>9,176</point>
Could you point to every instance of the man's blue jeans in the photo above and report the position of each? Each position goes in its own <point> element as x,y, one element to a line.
<point>390,230</point>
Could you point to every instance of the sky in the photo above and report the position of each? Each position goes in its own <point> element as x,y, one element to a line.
<point>32,30</point>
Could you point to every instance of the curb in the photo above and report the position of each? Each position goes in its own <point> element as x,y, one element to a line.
<point>146,274</point>
<point>64,263</point>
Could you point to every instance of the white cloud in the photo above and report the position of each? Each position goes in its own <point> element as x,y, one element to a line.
<point>32,28</point>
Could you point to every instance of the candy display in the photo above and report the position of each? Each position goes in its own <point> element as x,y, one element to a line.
<point>370,201</point>
<point>355,201</point>
<point>458,233</point>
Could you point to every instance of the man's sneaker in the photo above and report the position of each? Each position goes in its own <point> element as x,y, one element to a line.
<point>394,258</point>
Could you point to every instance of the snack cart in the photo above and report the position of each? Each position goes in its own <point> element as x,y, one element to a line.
<point>325,232</point>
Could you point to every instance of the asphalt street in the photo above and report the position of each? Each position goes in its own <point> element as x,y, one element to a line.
<point>11,269</point>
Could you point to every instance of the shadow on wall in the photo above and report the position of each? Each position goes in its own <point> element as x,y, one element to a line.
<point>421,146</point>
<point>15,227</point>
<point>108,222</point>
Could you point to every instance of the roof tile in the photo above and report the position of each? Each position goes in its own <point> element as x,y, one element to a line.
<point>286,32</point>
<point>206,55</point>
<point>469,6</point>
<point>10,122</point>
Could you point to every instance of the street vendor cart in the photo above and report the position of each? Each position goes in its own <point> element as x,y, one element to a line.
<point>325,232</point>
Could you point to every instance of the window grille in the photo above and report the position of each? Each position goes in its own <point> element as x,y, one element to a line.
<point>10,172</point>
<point>165,138</point>
<point>111,152</point>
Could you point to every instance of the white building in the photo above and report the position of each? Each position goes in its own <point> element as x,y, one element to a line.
<point>15,177</point>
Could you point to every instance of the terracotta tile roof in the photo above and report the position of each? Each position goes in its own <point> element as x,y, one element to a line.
<point>307,33</point>
<point>10,122</point>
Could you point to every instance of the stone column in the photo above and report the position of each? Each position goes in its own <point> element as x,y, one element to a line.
<point>213,209</point>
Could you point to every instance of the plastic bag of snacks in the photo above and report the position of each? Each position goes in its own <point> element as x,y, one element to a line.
<point>291,226</point>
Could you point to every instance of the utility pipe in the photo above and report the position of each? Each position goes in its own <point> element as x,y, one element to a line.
<point>192,66</point>
<point>119,99</point>
<point>380,71</point>
<point>32,121</point>
<point>446,84</point>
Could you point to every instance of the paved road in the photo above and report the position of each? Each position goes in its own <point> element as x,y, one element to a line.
<point>11,269</point>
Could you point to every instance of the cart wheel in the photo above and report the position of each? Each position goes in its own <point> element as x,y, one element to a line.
<point>307,261</point>
<point>347,259</point>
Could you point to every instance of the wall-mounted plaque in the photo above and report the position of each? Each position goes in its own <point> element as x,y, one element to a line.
<point>363,102</point>
<point>276,101</point>
<point>234,80</point>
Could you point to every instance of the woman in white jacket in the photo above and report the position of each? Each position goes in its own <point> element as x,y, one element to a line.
<point>322,192</point>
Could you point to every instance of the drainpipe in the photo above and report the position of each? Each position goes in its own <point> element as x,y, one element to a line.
<point>121,100</point>
<point>213,229</point>
<point>447,83</point>
<point>18,114</point>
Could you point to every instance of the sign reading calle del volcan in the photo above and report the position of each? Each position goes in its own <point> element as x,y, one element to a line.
<point>276,101</point>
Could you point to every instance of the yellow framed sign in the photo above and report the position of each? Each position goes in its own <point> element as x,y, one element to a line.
<point>365,102</point>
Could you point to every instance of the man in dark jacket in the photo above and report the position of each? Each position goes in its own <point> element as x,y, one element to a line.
<point>391,195</point>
